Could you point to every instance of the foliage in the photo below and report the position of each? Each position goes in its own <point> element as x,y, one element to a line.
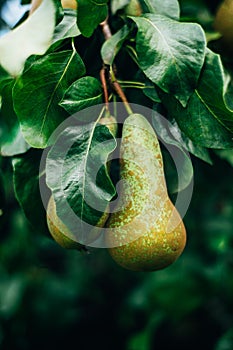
<point>166,60</point>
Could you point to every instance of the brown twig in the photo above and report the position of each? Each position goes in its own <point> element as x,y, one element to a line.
<point>106,29</point>
<point>105,88</point>
<point>117,87</point>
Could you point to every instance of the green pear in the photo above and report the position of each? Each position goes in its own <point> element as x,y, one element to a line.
<point>60,232</point>
<point>146,232</point>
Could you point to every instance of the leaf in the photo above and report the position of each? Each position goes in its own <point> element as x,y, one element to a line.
<point>169,8</point>
<point>11,141</point>
<point>206,120</point>
<point>4,76</point>
<point>90,14</point>
<point>33,36</point>
<point>26,186</point>
<point>171,54</point>
<point>118,5</point>
<point>190,146</point>
<point>112,46</point>
<point>83,93</point>
<point>39,90</point>
<point>226,154</point>
<point>76,172</point>
<point>151,92</point>
<point>181,155</point>
<point>211,90</point>
<point>67,28</point>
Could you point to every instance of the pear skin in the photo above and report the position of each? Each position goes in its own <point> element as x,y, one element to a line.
<point>58,229</point>
<point>60,232</point>
<point>146,232</point>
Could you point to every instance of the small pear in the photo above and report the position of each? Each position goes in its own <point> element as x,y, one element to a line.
<point>58,229</point>
<point>60,232</point>
<point>110,122</point>
<point>146,232</point>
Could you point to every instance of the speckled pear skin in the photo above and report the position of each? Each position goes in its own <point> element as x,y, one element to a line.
<point>146,231</point>
<point>59,230</point>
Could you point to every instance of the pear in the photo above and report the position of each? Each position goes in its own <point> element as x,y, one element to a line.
<point>146,232</point>
<point>133,8</point>
<point>58,229</point>
<point>110,122</point>
<point>60,232</point>
<point>223,22</point>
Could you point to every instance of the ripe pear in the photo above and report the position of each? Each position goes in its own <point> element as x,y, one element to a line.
<point>223,22</point>
<point>60,232</point>
<point>146,232</point>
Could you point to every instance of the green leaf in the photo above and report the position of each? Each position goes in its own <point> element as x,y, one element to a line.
<point>90,14</point>
<point>83,93</point>
<point>206,120</point>
<point>190,146</point>
<point>171,54</point>
<point>77,173</point>
<point>26,186</point>
<point>11,140</point>
<point>211,90</point>
<point>118,5</point>
<point>169,8</point>
<point>226,154</point>
<point>33,36</point>
<point>112,46</point>
<point>67,28</point>
<point>39,90</point>
<point>151,93</point>
<point>185,164</point>
<point>4,76</point>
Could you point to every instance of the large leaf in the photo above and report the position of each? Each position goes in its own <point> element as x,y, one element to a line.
<point>39,90</point>
<point>77,174</point>
<point>211,90</point>
<point>171,54</point>
<point>11,140</point>
<point>26,185</point>
<point>90,14</point>
<point>33,36</point>
<point>206,120</point>
<point>111,47</point>
<point>83,93</point>
<point>182,158</point>
<point>169,8</point>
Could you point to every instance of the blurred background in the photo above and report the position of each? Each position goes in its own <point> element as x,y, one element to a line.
<point>53,298</point>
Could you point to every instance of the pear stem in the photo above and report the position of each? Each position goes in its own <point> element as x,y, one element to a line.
<point>104,85</point>
<point>120,92</point>
<point>115,84</point>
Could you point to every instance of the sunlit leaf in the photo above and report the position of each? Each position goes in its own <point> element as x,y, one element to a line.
<point>171,54</point>
<point>39,90</point>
